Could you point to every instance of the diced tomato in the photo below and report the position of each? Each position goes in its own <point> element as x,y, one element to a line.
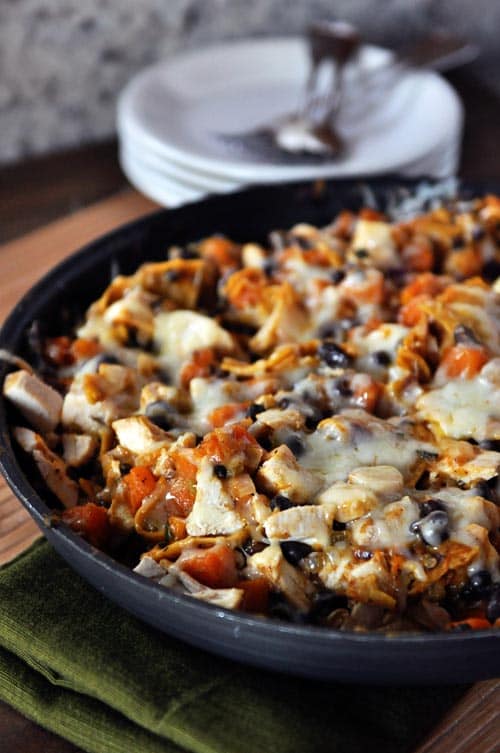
<point>256,595</point>
<point>474,623</point>
<point>245,288</point>
<point>140,482</point>
<point>368,289</point>
<point>411,313</point>
<point>91,521</point>
<point>418,255</point>
<point>233,447</point>
<point>465,262</point>
<point>200,365</point>
<point>425,284</point>
<point>222,251</point>
<point>367,213</point>
<point>214,567</point>
<point>367,395</point>
<point>221,416</point>
<point>85,348</point>
<point>464,361</point>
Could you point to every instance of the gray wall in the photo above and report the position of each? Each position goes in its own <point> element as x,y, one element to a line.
<point>62,62</point>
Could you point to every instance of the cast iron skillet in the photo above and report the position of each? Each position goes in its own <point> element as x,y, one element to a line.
<point>302,650</point>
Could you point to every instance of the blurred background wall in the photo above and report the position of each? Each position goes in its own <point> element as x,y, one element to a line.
<point>62,62</point>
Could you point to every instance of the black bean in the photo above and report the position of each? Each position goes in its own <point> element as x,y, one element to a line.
<point>363,554</point>
<point>254,410</point>
<point>430,506</point>
<point>338,526</point>
<point>220,470</point>
<point>493,608</point>
<point>478,233</point>
<point>423,481</point>
<point>333,355</point>
<point>125,468</point>
<point>326,602</point>
<point>337,276</point>
<point>490,444</point>
<point>491,270</point>
<point>280,608</point>
<point>159,413</point>
<point>284,403</point>
<point>480,583</point>
<point>295,444</point>
<point>382,357</point>
<point>240,328</point>
<point>313,419</point>
<point>172,275</point>
<point>462,627</point>
<point>427,455</point>
<point>433,528</point>
<point>294,551</point>
<point>253,547</point>
<point>362,253</point>
<point>134,340</point>
<point>304,243</point>
<point>269,267</point>
<point>265,443</point>
<point>343,388</point>
<point>464,335</point>
<point>484,490</point>
<point>458,241</point>
<point>280,502</point>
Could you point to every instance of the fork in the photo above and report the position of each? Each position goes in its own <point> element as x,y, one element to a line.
<point>308,134</point>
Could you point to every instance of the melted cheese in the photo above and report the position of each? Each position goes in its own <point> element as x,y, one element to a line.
<point>464,408</point>
<point>357,439</point>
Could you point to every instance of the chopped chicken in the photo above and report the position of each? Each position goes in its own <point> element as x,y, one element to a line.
<point>50,465</point>
<point>38,402</point>
<point>303,522</point>
<point>139,435</point>
<point>213,511</point>
<point>281,474</point>
<point>78,449</point>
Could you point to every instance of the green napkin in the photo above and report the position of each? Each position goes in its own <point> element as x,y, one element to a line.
<point>82,667</point>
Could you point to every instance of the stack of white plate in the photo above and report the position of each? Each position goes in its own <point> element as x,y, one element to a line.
<point>177,120</point>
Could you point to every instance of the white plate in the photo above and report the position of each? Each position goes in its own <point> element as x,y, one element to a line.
<point>178,107</point>
<point>136,152</point>
<point>169,193</point>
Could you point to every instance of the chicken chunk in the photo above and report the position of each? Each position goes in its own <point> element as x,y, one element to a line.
<point>281,474</point>
<point>303,522</point>
<point>78,449</point>
<point>51,467</point>
<point>38,402</point>
<point>139,435</point>
<point>213,511</point>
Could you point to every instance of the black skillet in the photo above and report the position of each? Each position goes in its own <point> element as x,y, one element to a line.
<point>298,649</point>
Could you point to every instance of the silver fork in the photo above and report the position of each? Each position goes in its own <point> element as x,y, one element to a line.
<point>307,134</point>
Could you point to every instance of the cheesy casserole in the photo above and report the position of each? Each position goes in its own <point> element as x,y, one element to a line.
<point>308,430</point>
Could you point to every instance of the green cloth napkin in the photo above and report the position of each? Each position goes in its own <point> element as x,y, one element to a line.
<point>85,669</point>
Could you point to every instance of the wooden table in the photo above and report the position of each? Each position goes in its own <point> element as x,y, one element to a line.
<point>38,192</point>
